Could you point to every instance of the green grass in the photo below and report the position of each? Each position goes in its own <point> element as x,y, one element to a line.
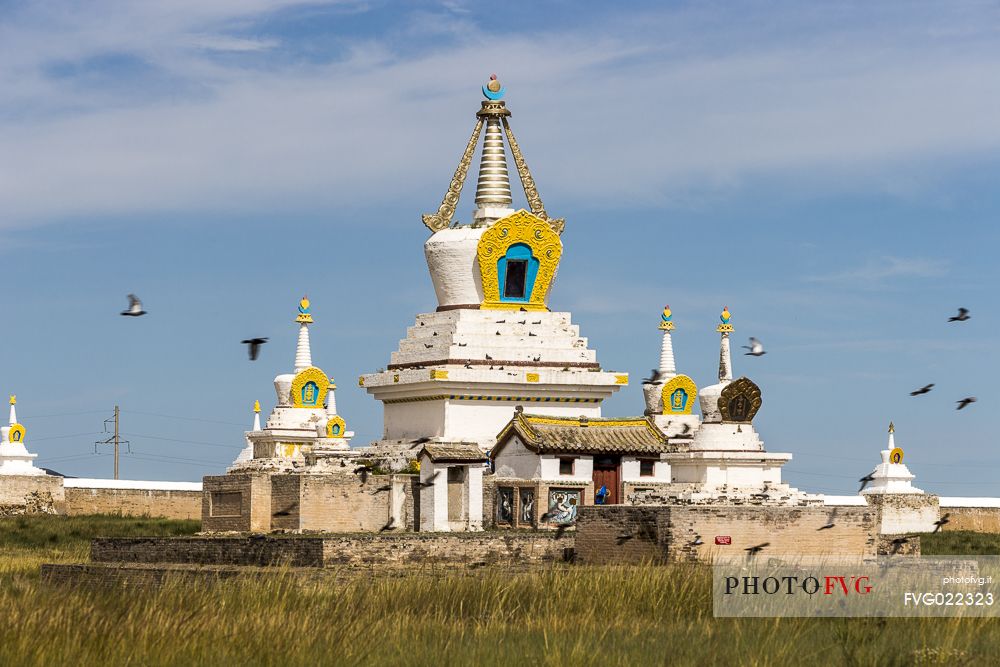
<point>557,616</point>
<point>960,543</point>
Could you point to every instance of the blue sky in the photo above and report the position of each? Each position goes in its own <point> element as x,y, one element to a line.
<point>827,172</point>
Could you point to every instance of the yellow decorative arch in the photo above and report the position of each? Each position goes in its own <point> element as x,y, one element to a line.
<point>532,231</point>
<point>311,380</point>
<point>335,422</point>
<point>739,401</point>
<point>679,402</point>
<point>16,433</point>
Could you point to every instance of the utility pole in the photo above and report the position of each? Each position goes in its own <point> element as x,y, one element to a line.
<point>115,438</point>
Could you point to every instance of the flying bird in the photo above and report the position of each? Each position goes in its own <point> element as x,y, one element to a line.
<point>756,348</point>
<point>965,402</point>
<point>756,549</point>
<point>941,522</point>
<point>923,390</point>
<point>963,315</point>
<point>388,525</point>
<point>253,346</point>
<point>134,307</point>
<point>654,377</point>
<point>697,541</point>
<point>865,481</point>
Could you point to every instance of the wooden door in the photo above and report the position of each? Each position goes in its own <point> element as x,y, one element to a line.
<point>607,474</point>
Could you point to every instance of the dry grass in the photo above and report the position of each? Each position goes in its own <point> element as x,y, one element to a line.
<point>557,616</point>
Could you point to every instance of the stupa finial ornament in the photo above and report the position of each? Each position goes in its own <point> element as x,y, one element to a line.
<point>13,399</point>
<point>304,316</point>
<point>666,319</point>
<point>493,192</point>
<point>892,428</point>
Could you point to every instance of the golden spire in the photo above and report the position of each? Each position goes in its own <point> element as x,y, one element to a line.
<point>13,399</point>
<point>892,429</point>
<point>256,406</point>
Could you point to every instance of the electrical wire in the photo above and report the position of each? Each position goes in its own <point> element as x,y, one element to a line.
<point>187,442</point>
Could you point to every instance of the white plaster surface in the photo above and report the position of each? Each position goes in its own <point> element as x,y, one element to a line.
<point>86,483</point>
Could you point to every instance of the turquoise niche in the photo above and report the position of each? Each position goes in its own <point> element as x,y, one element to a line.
<point>310,393</point>
<point>335,429</point>
<point>678,400</point>
<point>516,272</point>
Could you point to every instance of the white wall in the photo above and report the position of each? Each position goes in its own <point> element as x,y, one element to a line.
<point>517,461</point>
<point>420,419</point>
<point>631,470</point>
<point>583,468</point>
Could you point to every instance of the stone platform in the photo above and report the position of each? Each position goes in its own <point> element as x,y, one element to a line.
<point>310,557</point>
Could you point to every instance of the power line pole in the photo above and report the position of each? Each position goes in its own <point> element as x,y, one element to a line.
<point>115,438</point>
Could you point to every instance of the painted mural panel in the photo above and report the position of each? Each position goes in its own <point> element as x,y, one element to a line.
<point>563,504</point>
<point>527,507</point>
<point>505,505</point>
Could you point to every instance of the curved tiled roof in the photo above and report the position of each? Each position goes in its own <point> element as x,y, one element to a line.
<point>551,435</point>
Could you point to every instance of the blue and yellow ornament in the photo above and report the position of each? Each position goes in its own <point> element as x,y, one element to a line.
<point>304,315</point>
<point>493,90</point>
<point>725,316</point>
<point>666,319</point>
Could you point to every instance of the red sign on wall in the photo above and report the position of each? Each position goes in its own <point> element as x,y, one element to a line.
<point>723,539</point>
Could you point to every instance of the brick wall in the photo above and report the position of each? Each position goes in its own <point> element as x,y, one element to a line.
<point>217,503</point>
<point>668,533</point>
<point>134,502</point>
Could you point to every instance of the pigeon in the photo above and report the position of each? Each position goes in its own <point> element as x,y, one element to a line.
<point>435,333</point>
<point>965,402</point>
<point>940,522</point>
<point>428,345</point>
<point>523,322</point>
<point>523,309</point>
<point>963,315</point>
<point>134,307</point>
<point>537,322</point>
<point>687,427</point>
<point>468,365</point>
<point>654,377</point>
<point>532,335</point>
<point>756,348</point>
<point>923,390</point>
<point>384,487</point>
<point>253,346</point>
<point>538,358</point>
<point>697,541</point>
<point>463,344</point>
<point>388,525</point>
<point>498,333</point>
<point>501,321</point>
<point>826,527</point>
<point>865,481</point>
<point>488,357</point>
<point>420,441</point>
<point>756,549</point>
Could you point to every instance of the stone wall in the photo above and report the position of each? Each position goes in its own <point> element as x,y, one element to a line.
<point>901,513</point>
<point>520,547</point>
<point>31,494</point>
<point>631,534</point>
<point>263,502</point>
<point>134,502</point>
<point>976,519</point>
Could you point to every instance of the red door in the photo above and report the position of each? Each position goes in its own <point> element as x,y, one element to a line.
<point>607,484</point>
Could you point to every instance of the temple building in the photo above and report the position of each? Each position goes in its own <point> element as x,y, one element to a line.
<point>492,343</point>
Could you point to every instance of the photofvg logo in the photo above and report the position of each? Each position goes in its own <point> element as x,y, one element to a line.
<point>883,586</point>
<point>795,585</point>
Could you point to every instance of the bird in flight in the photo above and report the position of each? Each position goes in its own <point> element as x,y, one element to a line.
<point>965,402</point>
<point>134,307</point>
<point>865,480</point>
<point>923,390</point>
<point>941,522</point>
<point>654,377</point>
<point>756,348</point>
<point>253,346</point>
<point>963,315</point>
<point>756,549</point>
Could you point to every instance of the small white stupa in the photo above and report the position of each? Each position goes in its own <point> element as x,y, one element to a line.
<point>891,476</point>
<point>304,423</point>
<point>669,396</point>
<point>14,457</point>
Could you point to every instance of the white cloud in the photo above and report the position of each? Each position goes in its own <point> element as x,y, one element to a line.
<point>876,272</point>
<point>643,111</point>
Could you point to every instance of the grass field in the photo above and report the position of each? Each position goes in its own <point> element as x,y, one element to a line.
<point>558,616</point>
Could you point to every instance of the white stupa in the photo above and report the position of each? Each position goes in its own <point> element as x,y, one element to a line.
<point>891,476</point>
<point>725,459</point>
<point>14,457</point>
<point>304,423</point>
<point>492,343</point>
<point>669,396</point>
